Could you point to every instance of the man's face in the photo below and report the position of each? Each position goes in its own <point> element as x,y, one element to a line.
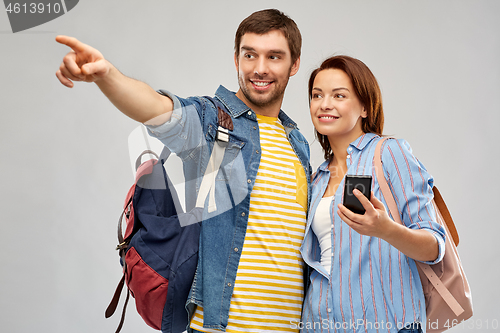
<point>264,66</point>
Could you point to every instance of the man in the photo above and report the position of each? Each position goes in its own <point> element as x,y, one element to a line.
<point>249,276</point>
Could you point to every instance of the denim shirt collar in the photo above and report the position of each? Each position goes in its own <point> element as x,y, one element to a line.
<point>358,145</point>
<point>237,107</point>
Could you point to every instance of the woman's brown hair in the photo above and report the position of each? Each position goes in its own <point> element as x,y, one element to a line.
<point>366,88</point>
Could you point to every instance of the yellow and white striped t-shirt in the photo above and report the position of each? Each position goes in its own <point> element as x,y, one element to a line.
<point>268,291</point>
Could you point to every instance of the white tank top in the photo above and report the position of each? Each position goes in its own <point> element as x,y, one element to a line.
<point>322,227</point>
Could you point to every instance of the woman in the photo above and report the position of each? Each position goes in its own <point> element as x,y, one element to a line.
<point>364,277</point>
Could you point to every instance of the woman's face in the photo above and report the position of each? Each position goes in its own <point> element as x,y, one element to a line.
<point>335,109</point>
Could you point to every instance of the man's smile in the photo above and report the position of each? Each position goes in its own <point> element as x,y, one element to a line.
<point>261,84</point>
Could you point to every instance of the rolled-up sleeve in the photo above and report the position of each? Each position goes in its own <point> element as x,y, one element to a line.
<point>411,186</point>
<point>182,133</point>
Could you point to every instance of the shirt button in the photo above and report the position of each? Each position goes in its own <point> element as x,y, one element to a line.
<point>255,127</point>
<point>235,249</point>
<point>249,181</point>
<point>257,151</point>
<point>348,156</point>
<point>350,149</point>
<point>229,284</point>
<point>243,214</point>
<point>329,310</point>
<point>249,113</point>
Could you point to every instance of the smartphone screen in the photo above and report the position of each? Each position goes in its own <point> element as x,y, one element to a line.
<point>363,184</point>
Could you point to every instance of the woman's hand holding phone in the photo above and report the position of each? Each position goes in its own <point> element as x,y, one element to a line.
<point>374,222</point>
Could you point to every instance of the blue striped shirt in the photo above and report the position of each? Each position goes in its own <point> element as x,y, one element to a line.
<point>372,287</point>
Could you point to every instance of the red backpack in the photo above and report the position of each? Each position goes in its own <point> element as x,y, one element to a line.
<point>159,254</point>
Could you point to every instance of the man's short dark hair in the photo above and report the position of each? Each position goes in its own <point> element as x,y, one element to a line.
<point>266,20</point>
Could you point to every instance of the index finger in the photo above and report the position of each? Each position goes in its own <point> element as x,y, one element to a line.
<point>72,42</point>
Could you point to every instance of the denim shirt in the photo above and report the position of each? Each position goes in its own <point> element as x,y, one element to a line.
<point>191,134</point>
<point>372,287</point>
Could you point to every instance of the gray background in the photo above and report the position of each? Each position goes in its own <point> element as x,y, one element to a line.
<point>65,166</point>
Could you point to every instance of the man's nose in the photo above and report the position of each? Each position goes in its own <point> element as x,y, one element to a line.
<point>261,67</point>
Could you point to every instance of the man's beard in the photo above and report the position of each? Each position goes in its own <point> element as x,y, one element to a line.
<point>267,99</point>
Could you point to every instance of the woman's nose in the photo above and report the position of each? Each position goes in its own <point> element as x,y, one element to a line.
<point>327,103</point>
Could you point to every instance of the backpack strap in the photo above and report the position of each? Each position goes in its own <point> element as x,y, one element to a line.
<point>207,187</point>
<point>110,310</point>
<point>445,213</point>
<point>393,208</point>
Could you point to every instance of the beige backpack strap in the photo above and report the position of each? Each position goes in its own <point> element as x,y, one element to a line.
<point>207,187</point>
<point>393,208</point>
<point>445,213</point>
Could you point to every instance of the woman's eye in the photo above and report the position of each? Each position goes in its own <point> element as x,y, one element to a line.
<point>339,96</point>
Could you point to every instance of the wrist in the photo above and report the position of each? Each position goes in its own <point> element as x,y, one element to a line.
<point>109,77</point>
<point>393,231</point>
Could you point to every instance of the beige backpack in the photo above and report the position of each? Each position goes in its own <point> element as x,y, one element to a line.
<point>447,294</point>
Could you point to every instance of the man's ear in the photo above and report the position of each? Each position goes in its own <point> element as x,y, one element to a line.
<point>295,67</point>
<point>236,61</point>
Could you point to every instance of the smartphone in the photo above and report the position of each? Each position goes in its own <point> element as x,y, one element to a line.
<point>363,184</point>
